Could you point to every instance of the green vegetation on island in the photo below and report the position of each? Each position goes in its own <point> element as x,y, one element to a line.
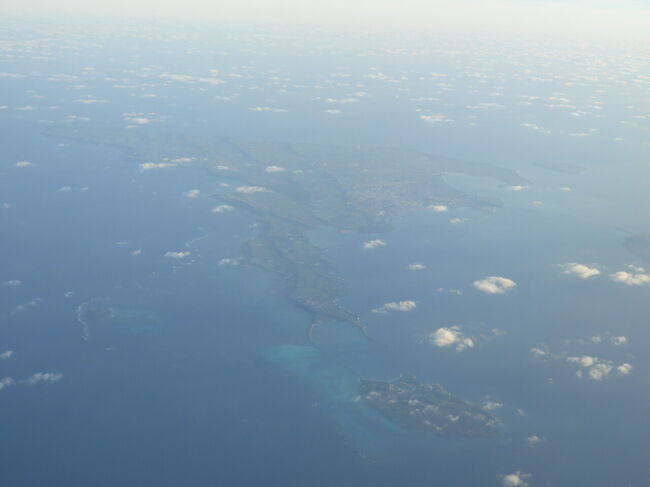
<point>417,406</point>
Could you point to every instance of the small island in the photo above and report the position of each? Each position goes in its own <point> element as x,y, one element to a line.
<point>417,406</point>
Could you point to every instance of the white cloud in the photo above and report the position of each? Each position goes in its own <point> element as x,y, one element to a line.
<point>177,255</point>
<point>456,221</point>
<point>250,189</point>
<point>637,277</point>
<point>228,261</point>
<point>12,282</point>
<point>515,479</point>
<point>333,111</point>
<point>396,306</point>
<point>494,285</point>
<point>7,354</point>
<point>192,193</point>
<point>580,270</point>
<point>434,118</point>
<point>186,78</point>
<point>538,352</point>
<point>64,189</point>
<point>492,405</point>
<point>535,127</point>
<point>6,382</point>
<point>417,266</point>
<point>446,337</point>
<point>624,369</point>
<point>268,109</point>
<point>139,120</point>
<point>373,244</point>
<point>438,208</point>
<point>148,166</point>
<point>584,361</point>
<point>517,187</point>
<point>342,100</point>
<point>272,169</point>
<point>533,440</point>
<point>619,340</point>
<point>23,164</point>
<point>25,306</point>
<point>39,377</point>
<point>223,208</point>
<point>597,369</point>
<point>137,252</point>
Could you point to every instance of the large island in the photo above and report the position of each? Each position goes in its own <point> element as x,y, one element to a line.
<point>292,188</point>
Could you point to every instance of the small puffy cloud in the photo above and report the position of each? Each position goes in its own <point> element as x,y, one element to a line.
<point>42,377</point>
<point>137,252</point>
<point>417,266</point>
<point>228,261</point>
<point>148,166</point>
<point>187,78</point>
<point>597,369</point>
<point>177,255</point>
<point>492,405</point>
<point>192,193</point>
<point>23,164</point>
<point>273,169</point>
<point>12,283</point>
<point>139,120</point>
<point>538,352</point>
<point>494,285</point>
<point>373,244</point>
<point>515,479</point>
<point>580,270</point>
<point>452,336</point>
<point>7,354</point>
<point>456,221</point>
<point>535,127</point>
<point>268,109</point>
<point>396,306</point>
<point>25,306</point>
<point>342,101</point>
<point>64,189</point>
<point>6,382</point>
<point>250,189</point>
<point>566,189</point>
<point>584,361</point>
<point>637,276</point>
<point>517,187</point>
<point>434,118</point>
<point>223,209</point>
<point>333,111</point>
<point>619,340</point>
<point>624,369</point>
<point>533,440</point>
<point>438,208</point>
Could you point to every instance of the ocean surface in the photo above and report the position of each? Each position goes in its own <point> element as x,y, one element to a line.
<point>204,375</point>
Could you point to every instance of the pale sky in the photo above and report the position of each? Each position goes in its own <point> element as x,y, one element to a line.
<point>596,17</point>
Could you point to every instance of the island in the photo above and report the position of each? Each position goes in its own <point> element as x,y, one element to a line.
<point>417,406</point>
<point>294,187</point>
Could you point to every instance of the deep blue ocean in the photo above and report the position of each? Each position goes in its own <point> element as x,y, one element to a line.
<point>204,375</point>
